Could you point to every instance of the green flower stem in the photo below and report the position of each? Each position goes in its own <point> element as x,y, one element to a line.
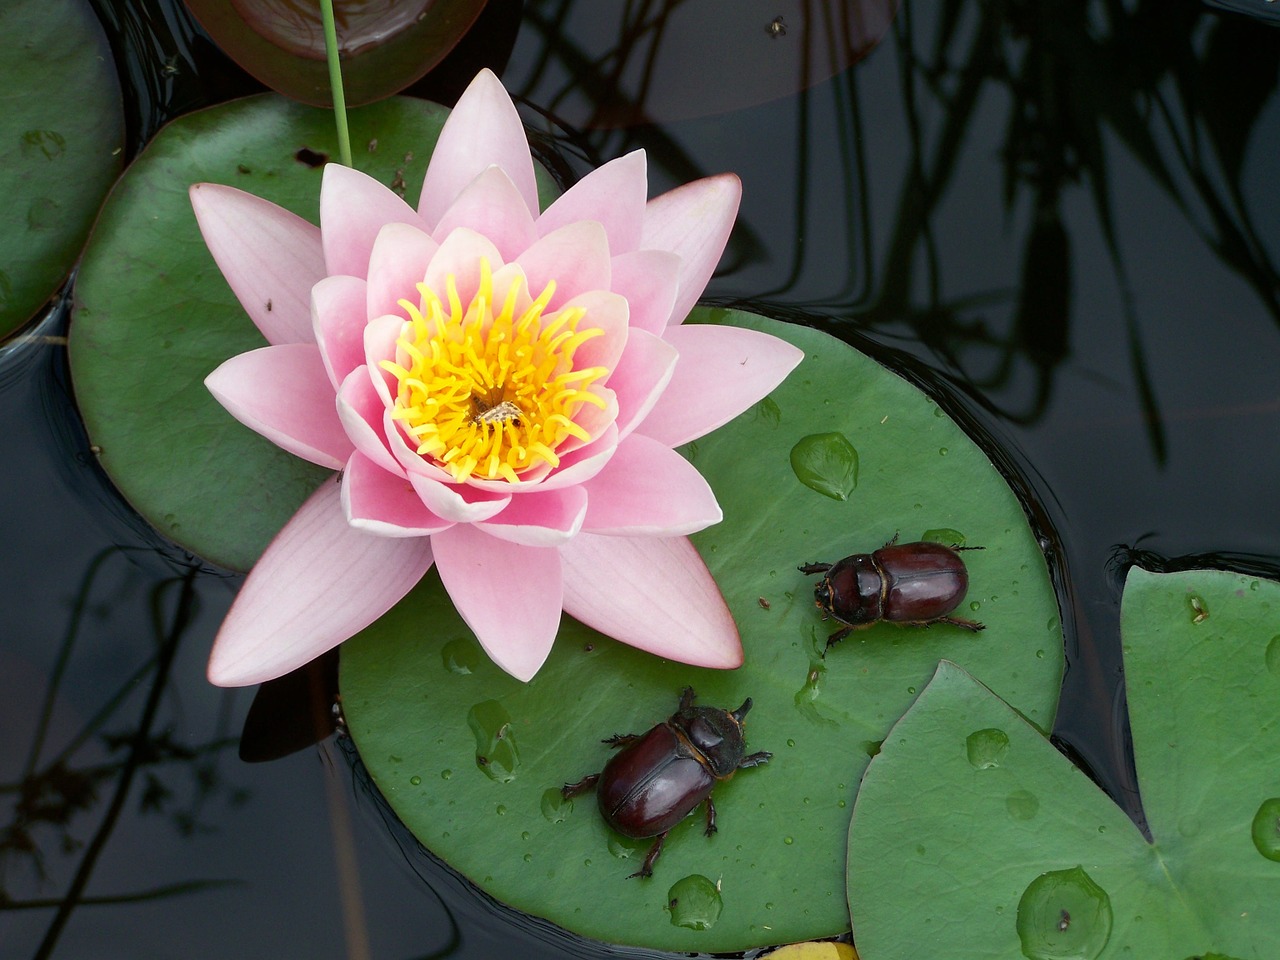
<point>335,81</point>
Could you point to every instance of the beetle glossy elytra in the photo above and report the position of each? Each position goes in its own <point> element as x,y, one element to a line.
<point>658,778</point>
<point>909,584</point>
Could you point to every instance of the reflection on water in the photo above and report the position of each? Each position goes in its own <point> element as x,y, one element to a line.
<point>1056,217</point>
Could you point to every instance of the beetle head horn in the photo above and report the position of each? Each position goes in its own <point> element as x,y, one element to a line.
<point>741,712</point>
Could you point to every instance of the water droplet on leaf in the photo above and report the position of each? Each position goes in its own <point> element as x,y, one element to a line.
<point>1064,915</point>
<point>986,748</point>
<point>554,805</point>
<point>1266,829</point>
<point>496,753</point>
<point>827,463</point>
<point>1022,805</point>
<point>461,656</point>
<point>944,535</point>
<point>694,903</point>
<point>415,780</point>
<point>1273,654</point>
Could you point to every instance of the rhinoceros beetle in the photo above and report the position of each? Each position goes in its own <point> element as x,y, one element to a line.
<point>909,584</point>
<point>657,778</point>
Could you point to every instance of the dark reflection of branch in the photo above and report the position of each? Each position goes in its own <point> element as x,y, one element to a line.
<point>53,790</point>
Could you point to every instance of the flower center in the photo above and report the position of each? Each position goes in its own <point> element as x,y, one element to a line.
<point>491,394</point>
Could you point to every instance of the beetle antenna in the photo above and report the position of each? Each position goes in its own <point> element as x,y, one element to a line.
<point>741,712</point>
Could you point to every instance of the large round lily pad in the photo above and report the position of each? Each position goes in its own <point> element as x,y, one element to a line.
<point>973,837</point>
<point>471,759</point>
<point>61,145</point>
<point>153,314</point>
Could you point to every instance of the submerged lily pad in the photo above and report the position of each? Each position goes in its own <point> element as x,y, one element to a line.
<point>778,859</point>
<point>61,145</point>
<point>153,315</point>
<point>1026,857</point>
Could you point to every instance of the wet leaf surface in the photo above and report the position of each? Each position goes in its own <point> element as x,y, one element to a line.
<point>430,720</point>
<point>1024,856</point>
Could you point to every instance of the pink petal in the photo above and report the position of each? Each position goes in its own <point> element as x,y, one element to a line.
<point>649,490</point>
<point>693,221</point>
<point>608,312</point>
<point>338,320</point>
<point>270,257</point>
<point>583,464</point>
<point>640,377</point>
<point>648,279</point>
<point>483,129</point>
<point>459,257</point>
<point>383,503</point>
<point>283,393</point>
<point>353,208</point>
<point>652,593</point>
<point>456,502</point>
<point>722,371</point>
<point>541,519</point>
<point>361,411</point>
<point>319,582</point>
<point>492,206</point>
<point>613,195</point>
<point>576,257</point>
<point>380,336</point>
<point>508,594</point>
<point>396,267</point>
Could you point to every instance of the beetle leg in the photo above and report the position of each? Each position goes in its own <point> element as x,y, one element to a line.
<point>837,637</point>
<point>686,699</point>
<point>621,739</point>
<point>582,786</point>
<point>711,817</point>
<point>957,547</point>
<point>646,868</point>
<point>755,759</point>
<point>892,540</point>
<point>812,568</point>
<point>973,625</point>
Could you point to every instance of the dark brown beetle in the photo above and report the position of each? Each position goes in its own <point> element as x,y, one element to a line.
<point>909,584</point>
<point>659,777</point>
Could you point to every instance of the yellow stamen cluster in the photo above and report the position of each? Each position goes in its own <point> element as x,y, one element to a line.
<point>491,395</point>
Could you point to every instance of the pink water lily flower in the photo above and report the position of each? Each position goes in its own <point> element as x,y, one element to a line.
<point>501,390</point>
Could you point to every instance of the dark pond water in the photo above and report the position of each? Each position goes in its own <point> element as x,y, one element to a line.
<point>1061,218</point>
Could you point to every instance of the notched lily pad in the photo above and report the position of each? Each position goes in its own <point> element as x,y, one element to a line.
<point>777,860</point>
<point>1026,857</point>
<point>61,145</point>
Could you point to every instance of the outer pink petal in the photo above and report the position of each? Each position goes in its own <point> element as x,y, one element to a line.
<point>338,319</point>
<point>649,490</point>
<point>648,279</point>
<point>283,393</point>
<point>576,257</point>
<point>722,371</point>
<point>396,267</point>
<point>640,377</point>
<point>508,594</point>
<point>613,194</point>
<point>583,464</point>
<point>652,593</point>
<point>693,221</point>
<point>383,503</point>
<point>483,129</point>
<point>353,208</point>
<point>319,582</point>
<point>362,413</point>
<point>456,502</point>
<point>492,206</point>
<point>269,256</point>
<point>542,519</point>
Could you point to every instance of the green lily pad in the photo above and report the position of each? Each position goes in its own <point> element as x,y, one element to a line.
<point>472,759</point>
<point>1026,857</point>
<point>153,315</point>
<point>61,145</point>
